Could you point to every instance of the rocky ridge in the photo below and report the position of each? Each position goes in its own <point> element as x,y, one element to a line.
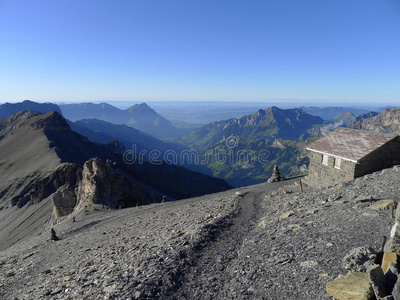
<point>268,241</point>
<point>386,122</point>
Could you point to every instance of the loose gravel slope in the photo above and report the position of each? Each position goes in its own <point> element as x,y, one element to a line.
<point>267,241</point>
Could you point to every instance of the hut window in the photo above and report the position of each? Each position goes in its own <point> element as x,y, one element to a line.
<point>338,162</point>
<point>325,159</point>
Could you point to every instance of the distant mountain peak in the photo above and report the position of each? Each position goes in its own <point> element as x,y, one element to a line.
<point>28,101</point>
<point>141,107</point>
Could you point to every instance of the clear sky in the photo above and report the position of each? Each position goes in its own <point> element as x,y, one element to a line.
<point>247,50</point>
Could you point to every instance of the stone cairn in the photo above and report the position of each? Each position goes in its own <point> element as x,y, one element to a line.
<point>53,235</point>
<point>276,176</point>
<point>372,275</point>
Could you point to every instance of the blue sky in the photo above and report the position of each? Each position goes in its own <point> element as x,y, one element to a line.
<point>248,50</point>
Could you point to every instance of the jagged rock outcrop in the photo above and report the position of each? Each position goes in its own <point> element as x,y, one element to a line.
<point>99,183</point>
<point>387,122</point>
<point>63,201</point>
<point>103,184</point>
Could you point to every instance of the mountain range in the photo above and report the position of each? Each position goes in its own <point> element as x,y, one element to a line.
<point>279,134</point>
<point>328,113</point>
<point>347,119</point>
<point>268,125</point>
<point>253,144</point>
<point>139,116</point>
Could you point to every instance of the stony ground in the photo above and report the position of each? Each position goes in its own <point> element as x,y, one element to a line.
<point>267,241</point>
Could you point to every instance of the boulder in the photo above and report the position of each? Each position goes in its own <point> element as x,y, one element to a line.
<point>64,202</point>
<point>393,244</point>
<point>383,205</point>
<point>388,258</point>
<point>378,281</point>
<point>353,286</point>
<point>396,291</point>
<point>391,277</point>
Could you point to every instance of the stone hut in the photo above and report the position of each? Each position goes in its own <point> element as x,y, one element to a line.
<point>345,154</point>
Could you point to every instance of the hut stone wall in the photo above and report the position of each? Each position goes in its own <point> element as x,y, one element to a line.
<point>324,175</point>
<point>320,174</point>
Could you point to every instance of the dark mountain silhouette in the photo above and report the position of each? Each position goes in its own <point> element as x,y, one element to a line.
<point>139,116</point>
<point>8,109</point>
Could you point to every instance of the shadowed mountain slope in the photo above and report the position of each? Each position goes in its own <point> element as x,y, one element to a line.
<point>104,132</point>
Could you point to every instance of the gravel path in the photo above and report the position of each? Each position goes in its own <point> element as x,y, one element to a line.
<point>207,274</point>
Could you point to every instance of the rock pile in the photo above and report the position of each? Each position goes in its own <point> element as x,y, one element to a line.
<point>53,235</point>
<point>276,176</point>
<point>372,275</point>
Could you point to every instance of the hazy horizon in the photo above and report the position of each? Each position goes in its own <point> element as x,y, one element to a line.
<point>260,104</point>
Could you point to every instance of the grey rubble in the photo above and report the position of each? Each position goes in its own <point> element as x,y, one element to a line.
<point>260,242</point>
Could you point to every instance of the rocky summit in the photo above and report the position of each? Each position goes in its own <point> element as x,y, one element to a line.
<point>268,241</point>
